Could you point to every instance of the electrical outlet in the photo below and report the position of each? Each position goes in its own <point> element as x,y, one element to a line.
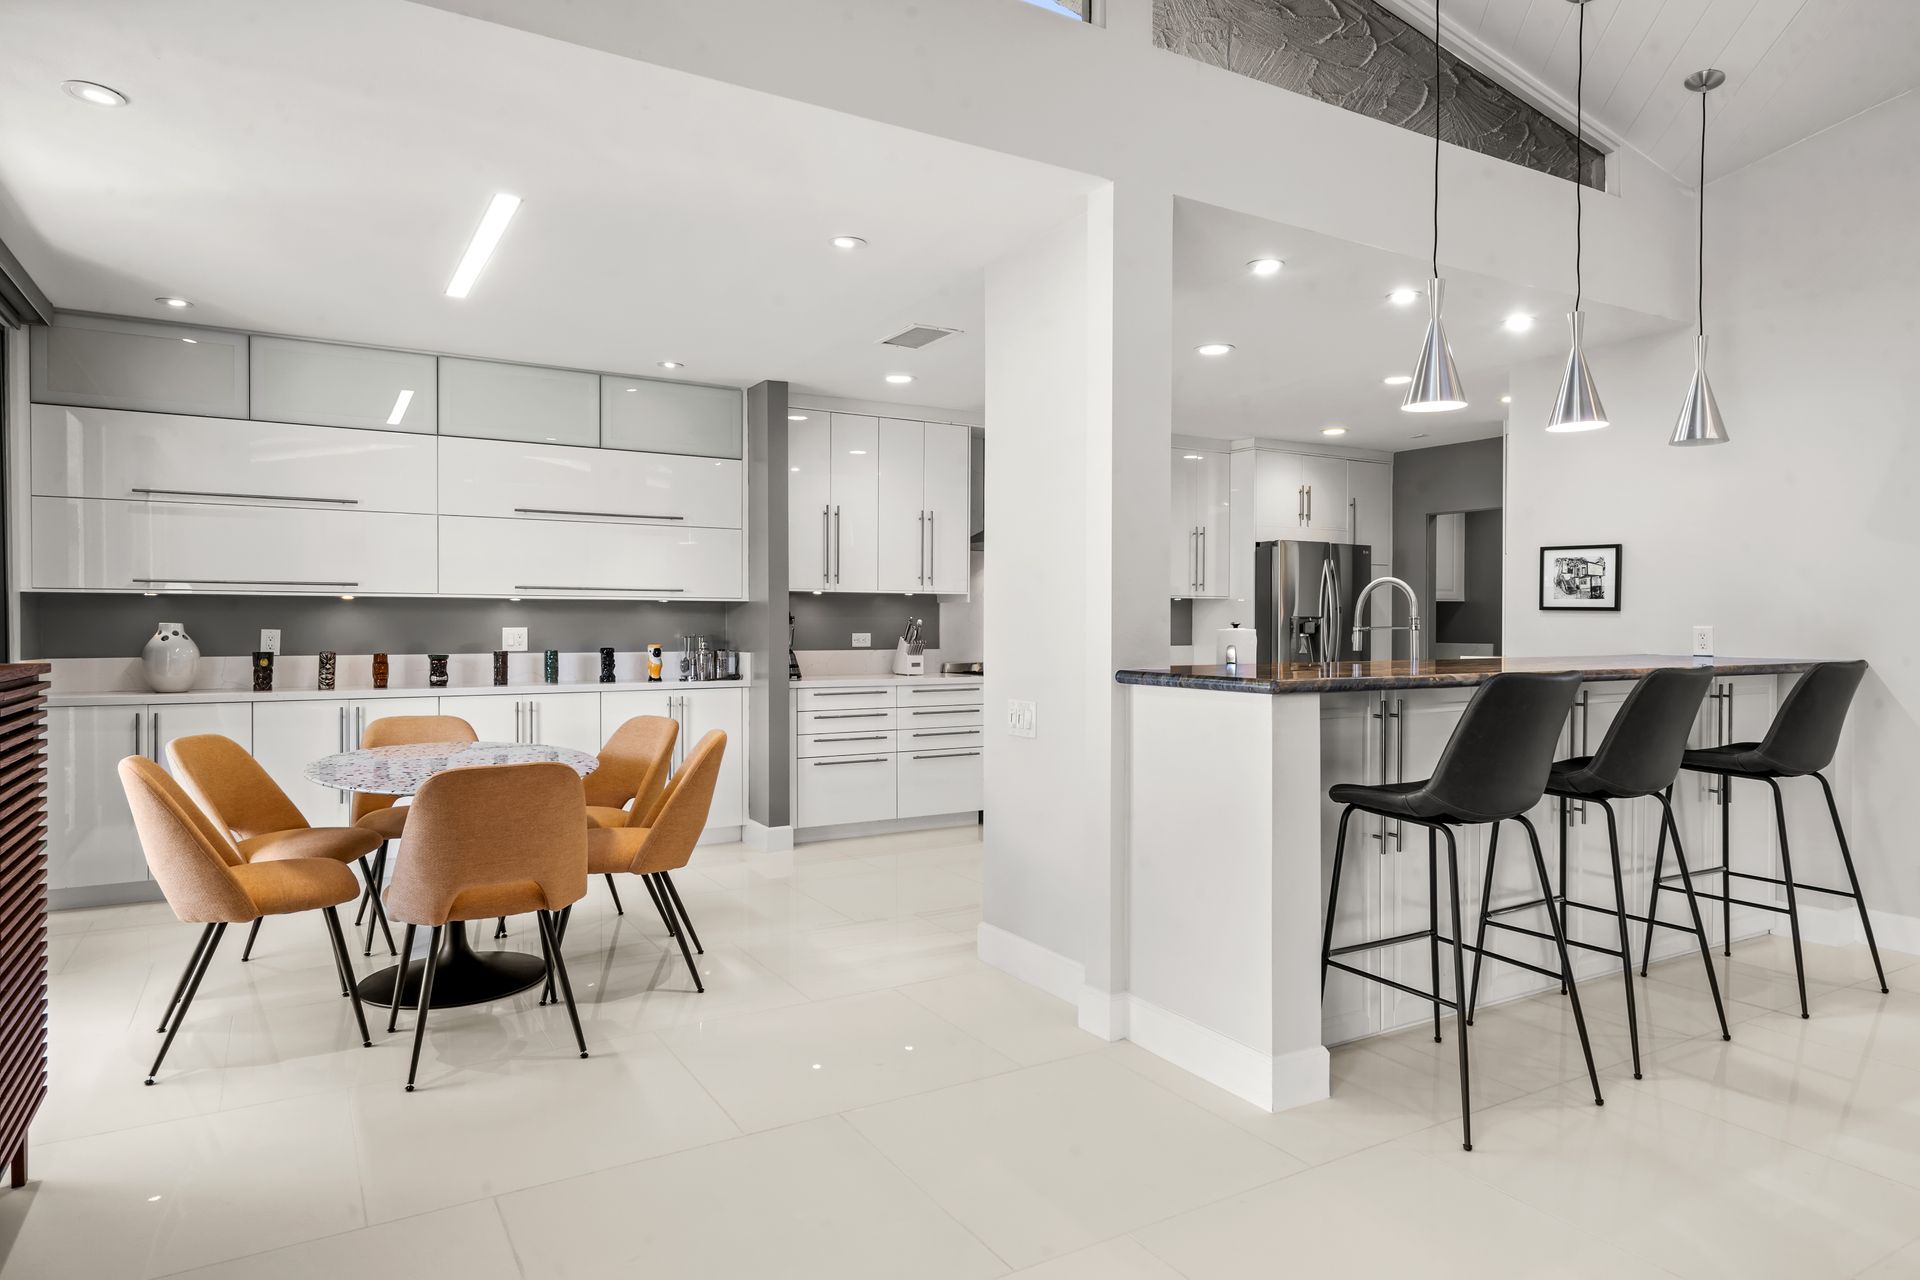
<point>1703,642</point>
<point>1022,719</point>
<point>863,639</point>
<point>269,642</point>
<point>513,639</point>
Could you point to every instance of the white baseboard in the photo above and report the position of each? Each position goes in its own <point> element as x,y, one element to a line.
<point>1840,926</point>
<point>1268,1082</point>
<point>885,827</point>
<point>1107,1014</point>
<point>758,835</point>
<point>1030,962</point>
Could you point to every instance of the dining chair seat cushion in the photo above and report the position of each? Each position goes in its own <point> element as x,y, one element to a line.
<point>296,884</point>
<point>388,824</point>
<point>605,816</point>
<point>341,844</point>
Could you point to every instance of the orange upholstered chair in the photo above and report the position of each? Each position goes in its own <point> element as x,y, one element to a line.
<point>206,881</point>
<point>233,790</point>
<point>385,815</point>
<point>633,770</point>
<point>497,840</point>
<point>655,844</point>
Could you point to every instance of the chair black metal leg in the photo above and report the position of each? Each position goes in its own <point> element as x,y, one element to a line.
<point>426,1002</point>
<point>253,931</point>
<point>1693,909</point>
<point>366,895</point>
<point>1433,920</point>
<point>339,939</point>
<point>1659,865</point>
<point>1566,964</point>
<point>500,927</point>
<point>1563,882</point>
<point>660,905</point>
<point>1459,985</point>
<point>1333,898</point>
<point>1480,936</point>
<point>1853,881</point>
<point>186,998</point>
<point>1626,946</point>
<point>1793,901</point>
<point>400,979</point>
<point>566,984</point>
<point>371,870</point>
<point>614,889</point>
<point>186,974</point>
<point>1726,860</point>
<point>673,892</point>
<point>548,992</point>
<point>660,897</point>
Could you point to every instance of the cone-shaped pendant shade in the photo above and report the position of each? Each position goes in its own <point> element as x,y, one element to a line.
<point>1700,417</point>
<point>1577,408</point>
<point>1436,383</point>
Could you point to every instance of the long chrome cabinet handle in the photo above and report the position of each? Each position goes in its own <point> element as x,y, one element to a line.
<point>923,549</point>
<point>245,582</point>
<point>598,515</point>
<point>839,545</point>
<point>933,559</point>
<point>1203,557</point>
<point>153,732</point>
<point>644,591</point>
<point>850,760</point>
<point>826,546</point>
<point>136,735</point>
<point>1309,504</point>
<point>855,737</point>
<point>519,709</point>
<point>258,497</point>
<point>946,733</point>
<point>956,711</point>
<point>945,755</point>
<point>1400,763</point>
<point>850,693</point>
<point>846,715</point>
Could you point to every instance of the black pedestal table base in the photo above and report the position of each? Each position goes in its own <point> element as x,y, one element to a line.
<point>465,976</point>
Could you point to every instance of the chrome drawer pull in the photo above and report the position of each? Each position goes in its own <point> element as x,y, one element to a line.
<point>246,582</point>
<point>645,591</point>
<point>858,760</point>
<point>856,737</point>
<point>947,755</point>
<point>957,711</point>
<point>598,515</point>
<point>851,693</point>
<point>946,733</point>
<point>258,497</point>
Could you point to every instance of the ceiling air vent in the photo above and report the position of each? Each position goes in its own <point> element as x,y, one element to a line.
<point>918,336</point>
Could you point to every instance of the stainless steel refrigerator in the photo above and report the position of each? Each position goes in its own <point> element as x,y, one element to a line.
<point>1304,600</point>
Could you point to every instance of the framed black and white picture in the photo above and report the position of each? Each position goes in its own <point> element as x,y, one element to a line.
<point>1580,577</point>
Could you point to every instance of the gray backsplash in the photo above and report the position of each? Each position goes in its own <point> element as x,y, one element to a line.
<point>828,621</point>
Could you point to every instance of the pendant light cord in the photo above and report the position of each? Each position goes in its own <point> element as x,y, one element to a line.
<point>1436,139</point>
<point>1579,150</point>
<point>1700,299</point>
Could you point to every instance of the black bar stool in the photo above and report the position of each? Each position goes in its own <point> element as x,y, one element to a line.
<point>1639,757</point>
<point>1801,740</point>
<point>1494,768</point>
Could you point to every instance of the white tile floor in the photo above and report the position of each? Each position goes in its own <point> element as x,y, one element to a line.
<point>857,1096</point>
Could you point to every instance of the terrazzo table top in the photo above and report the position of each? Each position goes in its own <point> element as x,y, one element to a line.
<point>1434,673</point>
<point>399,771</point>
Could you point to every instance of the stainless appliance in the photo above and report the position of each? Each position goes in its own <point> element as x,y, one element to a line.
<point>1305,597</point>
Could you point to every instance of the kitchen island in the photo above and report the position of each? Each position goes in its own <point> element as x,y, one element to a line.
<point>1230,839</point>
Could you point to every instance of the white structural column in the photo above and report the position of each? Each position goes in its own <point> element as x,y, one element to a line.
<point>1079,407</point>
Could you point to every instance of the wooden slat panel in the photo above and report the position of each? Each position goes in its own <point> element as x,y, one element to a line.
<point>23,901</point>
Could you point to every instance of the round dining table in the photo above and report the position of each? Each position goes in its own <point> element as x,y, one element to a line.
<point>464,976</point>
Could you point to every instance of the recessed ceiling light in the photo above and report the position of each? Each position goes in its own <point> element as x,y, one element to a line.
<point>1398,379</point>
<point>847,242</point>
<point>1214,348</point>
<point>796,417</point>
<point>899,379</point>
<point>94,95</point>
<point>1403,296</point>
<point>1518,322</point>
<point>1333,431</point>
<point>176,303</point>
<point>671,364</point>
<point>400,403</point>
<point>1506,399</point>
<point>1265,266</point>
<point>486,238</point>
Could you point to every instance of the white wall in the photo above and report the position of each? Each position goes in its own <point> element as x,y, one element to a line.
<point>1799,537</point>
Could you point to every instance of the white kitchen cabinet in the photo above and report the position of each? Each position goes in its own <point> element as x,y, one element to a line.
<point>810,500</point>
<point>137,364</point>
<point>563,720</point>
<point>701,711</point>
<point>1328,518</point>
<point>930,782</point>
<point>330,384</point>
<point>618,708</point>
<point>495,717</point>
<point>166,722</point>
<point>90,835</point>
<point>362,712</point>
<point>1280,496</point>
<point>833,502</point>
<point>1450,556</point>
<point>924,506</point>
<point>289,736</point>
<point>516,480</point>
<point>1370,499</point>
<point>167,457</point>
<point>1201,541</point>
<point>656,416</point>
<point>872,753</point>
<point>833,790</point>
<point>949,487</point>
<point>512,557</point>
<point>81,544</point>
<point>518,402</point>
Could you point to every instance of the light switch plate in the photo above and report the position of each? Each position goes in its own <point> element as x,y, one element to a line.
<point>513,639</point>
<point>269,641</point>
<point>863,639</point>
<point>1022,719</point>
<point>1703,642</point>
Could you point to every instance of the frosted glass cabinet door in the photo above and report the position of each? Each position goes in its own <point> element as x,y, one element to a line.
<point>671,417</point>
<point>133,364</point>
<point>331,385</point>
<point>518,402</point>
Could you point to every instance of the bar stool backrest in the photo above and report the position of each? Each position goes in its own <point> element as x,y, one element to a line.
<point>1641,752</point>
<point>1806,730</point>
<point>1496,763</point>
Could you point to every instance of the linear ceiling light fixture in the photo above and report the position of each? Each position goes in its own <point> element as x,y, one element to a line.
<point>1436,382</point>
<point>1700,417</point>
<point>486,238</point>
<point>400,403</point>
<point>1577,408</point>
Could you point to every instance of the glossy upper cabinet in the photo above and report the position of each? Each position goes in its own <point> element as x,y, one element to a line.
<point>113,453</point>
<point>810,500</point>
<point>1201,530</point>
<point>518,402</point>
<point>1370,500</point>
<point>333,385</point>
<point>554,482</point>
<point>923,511</point>
<point>133,364</point>
<point>90,835</point>
<point>949,490</point>
<point>1325,482</point>
<point>671,417</point>
<point>493,557</point>
<point>833,501</point>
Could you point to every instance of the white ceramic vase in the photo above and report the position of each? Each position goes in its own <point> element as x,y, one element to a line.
<point>171,658</point>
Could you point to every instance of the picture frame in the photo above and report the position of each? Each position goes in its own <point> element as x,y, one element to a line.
<point>1582,577</point>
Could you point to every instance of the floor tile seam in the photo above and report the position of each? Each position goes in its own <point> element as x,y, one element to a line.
<point>926,1193</point>
<point>325,1235</point>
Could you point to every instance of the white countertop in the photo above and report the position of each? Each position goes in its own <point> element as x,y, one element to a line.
<point>805,682</point>
<point>125,697</point>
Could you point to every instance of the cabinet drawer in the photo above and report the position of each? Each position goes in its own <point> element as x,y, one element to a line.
<point>838,789</point>
<point>923,738</point>
<point>939,695</point>
<point>568,558</point>
<point>933,782</point>
<point>845,698</point>
<point>844,720</point>
<point>938,717</point>
<point>848,742</point>
<point>553,482</point>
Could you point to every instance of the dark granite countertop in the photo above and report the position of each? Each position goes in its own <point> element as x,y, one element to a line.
<point>1434,673</point>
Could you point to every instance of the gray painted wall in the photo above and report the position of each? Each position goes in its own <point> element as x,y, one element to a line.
<point>829,621</point>
<point>1427,482</point>
<point>759,624</point>
<point>1476,620</point>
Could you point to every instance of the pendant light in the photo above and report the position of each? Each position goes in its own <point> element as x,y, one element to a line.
<point>1577,408</point>
<point>1436,383</point>
<point>1700,417</point>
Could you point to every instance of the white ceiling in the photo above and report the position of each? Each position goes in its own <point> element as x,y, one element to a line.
<point>1794,67</point>
<point>317,170</point>
<point>1313,344</point>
